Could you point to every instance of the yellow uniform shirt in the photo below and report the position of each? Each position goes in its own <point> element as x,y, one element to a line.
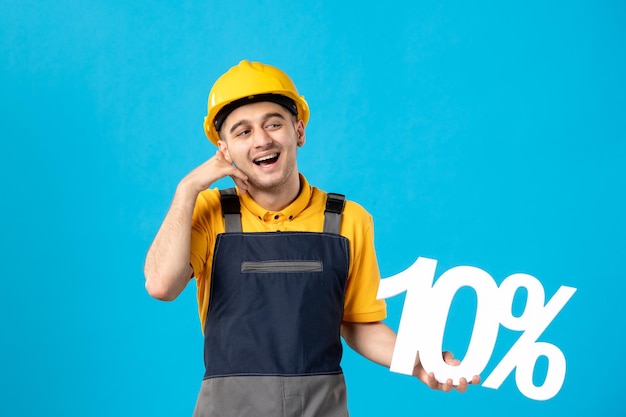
<point>305,214</point>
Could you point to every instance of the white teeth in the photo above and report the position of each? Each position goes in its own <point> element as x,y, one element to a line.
<point>265,158</point>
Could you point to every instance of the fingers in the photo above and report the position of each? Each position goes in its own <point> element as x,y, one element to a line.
<point>462,387</point>
<point>242,184</point>
<point>240,179</point>
<point>433,383</point>
<point>448,385</point>
<point>237,174</point>
<point>225,155</point>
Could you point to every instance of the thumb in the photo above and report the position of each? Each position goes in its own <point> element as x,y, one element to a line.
<point>448,358</point>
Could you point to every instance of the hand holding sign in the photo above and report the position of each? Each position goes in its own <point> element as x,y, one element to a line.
<point>431,380</point>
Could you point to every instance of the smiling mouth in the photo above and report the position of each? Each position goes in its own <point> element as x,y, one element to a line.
<point>267,159</point>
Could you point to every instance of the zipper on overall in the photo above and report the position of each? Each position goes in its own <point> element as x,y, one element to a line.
<point>281,266</point>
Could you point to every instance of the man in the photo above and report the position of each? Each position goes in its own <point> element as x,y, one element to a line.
<point>272,305</point>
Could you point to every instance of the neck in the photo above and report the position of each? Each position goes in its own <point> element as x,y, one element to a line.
<point>278,198</point>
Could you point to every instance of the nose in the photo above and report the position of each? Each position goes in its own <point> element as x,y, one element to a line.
<point>260,138</point>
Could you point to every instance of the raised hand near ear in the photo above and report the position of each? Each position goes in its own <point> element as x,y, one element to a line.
<point>217,167</point>
<point>241,179</point>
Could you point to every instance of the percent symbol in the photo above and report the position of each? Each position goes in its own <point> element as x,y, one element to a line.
<point>527,350</point>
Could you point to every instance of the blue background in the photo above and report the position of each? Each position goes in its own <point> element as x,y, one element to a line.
<point>489,134</point>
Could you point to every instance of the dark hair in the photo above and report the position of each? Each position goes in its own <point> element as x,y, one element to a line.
<point>284,101</point>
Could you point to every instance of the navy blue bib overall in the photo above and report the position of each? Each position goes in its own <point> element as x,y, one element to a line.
<point>272,331</point>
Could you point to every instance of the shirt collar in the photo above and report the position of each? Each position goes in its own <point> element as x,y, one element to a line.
<point>290,212</point>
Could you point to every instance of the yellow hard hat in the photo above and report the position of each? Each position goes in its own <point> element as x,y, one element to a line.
<point>250,82</point>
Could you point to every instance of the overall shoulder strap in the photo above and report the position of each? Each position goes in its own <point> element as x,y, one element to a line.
<point>231,209</point>
<point>332,215</point>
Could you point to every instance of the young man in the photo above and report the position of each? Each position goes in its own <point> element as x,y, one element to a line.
<point>273,306</point>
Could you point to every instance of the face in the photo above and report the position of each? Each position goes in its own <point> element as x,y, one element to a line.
<point>262,140</point>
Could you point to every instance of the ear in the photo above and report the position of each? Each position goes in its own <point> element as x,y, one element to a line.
<point>300,133</point>
<point>224,148</point>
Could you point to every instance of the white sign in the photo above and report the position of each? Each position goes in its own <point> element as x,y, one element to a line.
<point>425,313</point>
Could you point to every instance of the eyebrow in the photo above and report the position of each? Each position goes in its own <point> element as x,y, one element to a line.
<point>246,121</point>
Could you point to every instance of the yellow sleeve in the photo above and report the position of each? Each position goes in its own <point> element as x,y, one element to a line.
<point>361,304</point>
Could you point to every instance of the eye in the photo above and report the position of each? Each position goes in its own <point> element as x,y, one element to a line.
<point>241,133</point>
<point>273,126</point>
